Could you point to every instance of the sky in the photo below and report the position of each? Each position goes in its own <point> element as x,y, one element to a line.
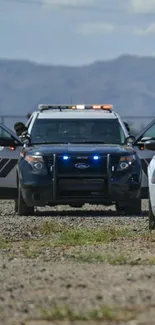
<point>76,32</point>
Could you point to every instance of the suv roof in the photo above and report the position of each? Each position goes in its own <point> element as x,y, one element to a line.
<point>78,115</point>
<point>76,111</point>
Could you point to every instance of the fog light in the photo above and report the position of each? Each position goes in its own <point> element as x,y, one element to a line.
<point>124,165</point>
<point>38,165</point>
<point>65,157</point>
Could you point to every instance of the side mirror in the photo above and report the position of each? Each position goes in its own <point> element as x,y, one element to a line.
<point>130,140</point>
<point>150,145</point>
<point>26,139</point>
<point>19,128</point>
<point>144,139</point>
<point>141,143</point>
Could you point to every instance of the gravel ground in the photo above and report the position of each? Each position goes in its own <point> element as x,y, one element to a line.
<point>122,277</point>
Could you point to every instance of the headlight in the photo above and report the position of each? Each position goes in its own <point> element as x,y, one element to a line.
<point>36,162</point>
<point>125,162</point>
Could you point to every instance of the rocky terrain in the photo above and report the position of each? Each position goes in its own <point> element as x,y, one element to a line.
<point>67,266</point>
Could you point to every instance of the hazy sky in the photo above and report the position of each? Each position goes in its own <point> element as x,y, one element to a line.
<point>76,32</point>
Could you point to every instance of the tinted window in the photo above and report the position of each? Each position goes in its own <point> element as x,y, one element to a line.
<point>76,131</point>
<point>150,132</point>
<point>4,134</point>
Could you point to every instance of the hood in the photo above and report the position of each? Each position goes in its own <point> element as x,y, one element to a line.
<point>46,150</point>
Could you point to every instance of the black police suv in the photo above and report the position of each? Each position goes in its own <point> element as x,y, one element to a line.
<point>74,155</point>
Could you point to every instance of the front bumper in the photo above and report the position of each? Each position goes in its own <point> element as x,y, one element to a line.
<point>63,185</point>
<point>84,191</point>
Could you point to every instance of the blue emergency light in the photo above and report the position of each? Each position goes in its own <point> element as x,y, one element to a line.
<point>96,157</point>
<point>65,157</point>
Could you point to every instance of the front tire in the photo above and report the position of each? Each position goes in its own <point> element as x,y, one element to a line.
<point>20,206</point>
<point>133,207</point>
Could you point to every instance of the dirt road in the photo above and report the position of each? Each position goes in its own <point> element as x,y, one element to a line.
<point>76,267</point>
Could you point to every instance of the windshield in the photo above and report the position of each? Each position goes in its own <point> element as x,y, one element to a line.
<point>107,131</point>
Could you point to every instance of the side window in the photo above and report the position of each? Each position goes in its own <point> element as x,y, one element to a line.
<point>150,132</point>
<point>4,134</point>
<point>6,139</point>
<point>122,135</point>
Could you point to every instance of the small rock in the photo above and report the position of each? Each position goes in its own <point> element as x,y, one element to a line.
<point>68,286</point>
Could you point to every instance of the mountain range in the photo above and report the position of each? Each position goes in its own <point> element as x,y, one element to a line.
<point>127,82</point>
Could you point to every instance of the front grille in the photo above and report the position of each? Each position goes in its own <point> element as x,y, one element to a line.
<point>71,167</point>
<point>69,181</point>
<point>82,186</point>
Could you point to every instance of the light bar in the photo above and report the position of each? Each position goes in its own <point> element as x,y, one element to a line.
<point>45,107</point>
<point>80,106</point>
<point>104,107</point>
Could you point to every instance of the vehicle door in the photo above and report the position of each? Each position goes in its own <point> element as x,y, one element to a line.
<point>10,147</point>
<point>145,155</point>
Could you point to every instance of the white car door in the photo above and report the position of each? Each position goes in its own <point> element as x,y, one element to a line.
<point>144,154</point>
<point>10,147</point>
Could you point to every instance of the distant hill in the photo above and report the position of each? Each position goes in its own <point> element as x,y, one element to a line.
<point>128,82</point>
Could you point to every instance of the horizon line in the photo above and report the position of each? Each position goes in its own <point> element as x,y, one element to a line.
<point>115,58</point>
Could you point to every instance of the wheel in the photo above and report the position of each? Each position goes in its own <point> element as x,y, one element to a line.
<point>151,217</point>
<point>20,206</point>
<point>133,207</point>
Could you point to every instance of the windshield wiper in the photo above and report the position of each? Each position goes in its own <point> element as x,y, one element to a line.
<point>40,143</point>
<point>87,142</point>
<point>69,142</point>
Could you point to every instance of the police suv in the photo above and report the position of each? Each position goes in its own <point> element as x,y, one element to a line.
<point>75,154</point>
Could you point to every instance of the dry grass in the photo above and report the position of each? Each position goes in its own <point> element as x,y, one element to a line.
<point>104,313</point>
<point>100,245</point>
